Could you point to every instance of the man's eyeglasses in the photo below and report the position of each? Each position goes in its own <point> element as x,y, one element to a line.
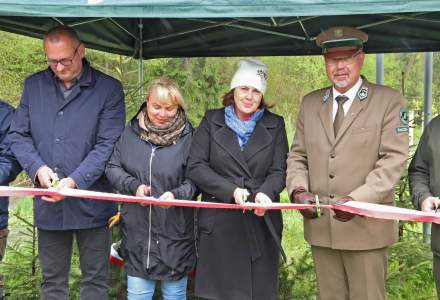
<point>65,61</point>
<point>344,60</point>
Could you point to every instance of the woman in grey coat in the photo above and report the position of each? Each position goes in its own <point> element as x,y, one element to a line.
<point>150,160</point>
<point>239,154</point>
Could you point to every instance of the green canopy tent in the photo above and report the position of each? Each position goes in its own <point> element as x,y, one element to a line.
<point>188,28</point>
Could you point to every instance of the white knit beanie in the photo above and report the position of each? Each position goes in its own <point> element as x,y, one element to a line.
<point>251,72</point>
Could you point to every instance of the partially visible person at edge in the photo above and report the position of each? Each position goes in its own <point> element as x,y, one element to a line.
<point>424,184</point>
<point>239,154</point>
<point>350,144</point>
<point>9,169</point>
<point>69,118</point>
<point>150,159</point>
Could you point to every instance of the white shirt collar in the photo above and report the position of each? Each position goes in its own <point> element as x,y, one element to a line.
<point>351,93</point>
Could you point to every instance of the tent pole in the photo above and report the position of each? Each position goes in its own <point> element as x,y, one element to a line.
<point>427,115</point>
<point>141,62</point>
<point>379,68</point>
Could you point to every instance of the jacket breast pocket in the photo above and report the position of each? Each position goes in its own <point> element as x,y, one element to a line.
<point>206,220</point>
<point>364,129</point>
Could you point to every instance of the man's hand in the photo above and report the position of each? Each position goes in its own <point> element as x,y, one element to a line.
<point>430,204</point>
<point>340,215</point>
<point>64,183</point>
<point>263,199</point>
<point>240,196</point>
<point>301,196</point>
<point>142,191</point>
<point>46,176</point>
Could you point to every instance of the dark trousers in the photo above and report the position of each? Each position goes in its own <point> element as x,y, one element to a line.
<point>55,251</point>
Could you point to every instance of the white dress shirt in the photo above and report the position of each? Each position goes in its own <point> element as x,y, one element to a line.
<point>351,94</point>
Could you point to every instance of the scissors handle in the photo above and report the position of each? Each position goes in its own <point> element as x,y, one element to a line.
<point>318,206</point>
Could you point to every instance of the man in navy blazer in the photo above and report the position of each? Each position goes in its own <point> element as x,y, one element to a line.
<point>66,125</point>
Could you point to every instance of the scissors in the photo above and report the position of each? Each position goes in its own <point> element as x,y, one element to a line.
<point>318,206</point>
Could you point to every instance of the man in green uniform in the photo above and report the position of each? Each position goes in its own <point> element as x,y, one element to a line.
<point>351,144</point>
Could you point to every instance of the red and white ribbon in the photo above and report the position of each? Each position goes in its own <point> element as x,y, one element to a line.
<point>355,207</point>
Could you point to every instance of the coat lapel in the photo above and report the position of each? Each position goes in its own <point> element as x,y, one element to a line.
<point>260,139</point>
<point>75,92</point>
<point>326,115</point>
<point>227,140</point>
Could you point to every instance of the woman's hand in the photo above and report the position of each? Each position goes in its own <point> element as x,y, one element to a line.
<point>166,196</point>
<point>241,195</point>
<point>261,198</point>
<point>142,191</point>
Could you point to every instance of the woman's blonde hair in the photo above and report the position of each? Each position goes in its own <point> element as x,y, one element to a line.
<point>167,90</point>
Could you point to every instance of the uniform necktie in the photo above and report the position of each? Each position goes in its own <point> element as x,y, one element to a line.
<point>341,99</point>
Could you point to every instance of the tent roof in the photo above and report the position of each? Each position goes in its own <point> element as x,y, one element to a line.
<point>227,28</point>
<point>209,8</point>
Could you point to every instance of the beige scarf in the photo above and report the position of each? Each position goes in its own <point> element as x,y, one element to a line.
<point>164,135</point>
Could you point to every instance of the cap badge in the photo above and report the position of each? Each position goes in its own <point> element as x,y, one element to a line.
<point>338,33</point>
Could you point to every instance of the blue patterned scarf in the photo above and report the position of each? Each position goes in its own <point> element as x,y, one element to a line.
<point>243,129</point>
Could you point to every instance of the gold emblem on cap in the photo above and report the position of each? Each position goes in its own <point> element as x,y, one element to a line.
<point>338,33</point>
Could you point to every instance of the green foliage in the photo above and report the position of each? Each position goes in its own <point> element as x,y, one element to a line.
<point>21,268</point>
<point>21,265</point>
<point>20,57</point>
<point>410,271</point>
<point>297,275</point>
<point>203,82</point>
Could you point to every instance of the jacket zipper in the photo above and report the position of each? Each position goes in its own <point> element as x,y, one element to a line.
<point>153,149</point>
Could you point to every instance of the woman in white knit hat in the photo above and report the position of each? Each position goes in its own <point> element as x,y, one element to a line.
<point>238,154</point>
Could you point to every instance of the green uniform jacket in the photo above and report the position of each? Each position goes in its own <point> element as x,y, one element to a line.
<point>364,161</point>
<point>424,173</point>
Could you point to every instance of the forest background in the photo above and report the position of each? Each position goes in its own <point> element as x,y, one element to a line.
<point>203,82</point>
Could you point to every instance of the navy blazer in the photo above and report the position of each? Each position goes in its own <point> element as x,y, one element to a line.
<point>74,137</point>
<point>9,167</point>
